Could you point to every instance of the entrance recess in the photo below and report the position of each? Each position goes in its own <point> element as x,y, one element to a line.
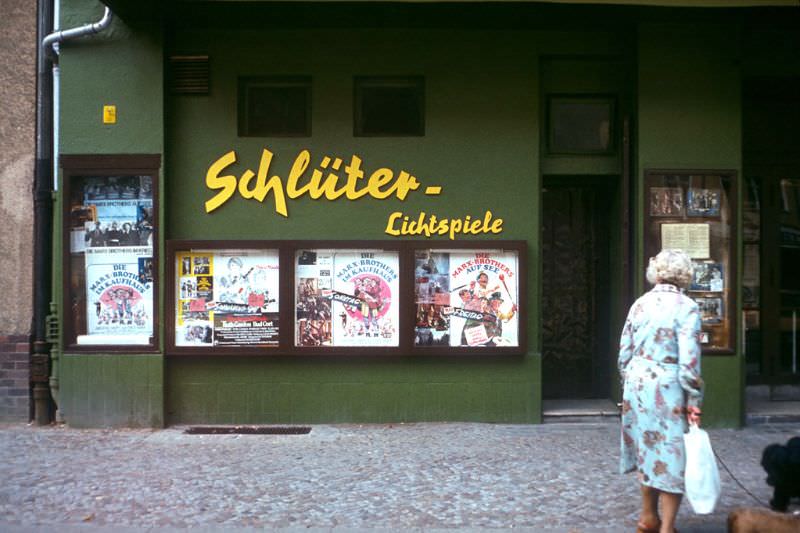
<point>575,287</point>
<point>771,234</point>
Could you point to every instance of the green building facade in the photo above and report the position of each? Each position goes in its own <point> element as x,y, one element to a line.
<point>565,121</point>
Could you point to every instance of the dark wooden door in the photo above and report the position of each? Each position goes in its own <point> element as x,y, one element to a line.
<point>575,299</point>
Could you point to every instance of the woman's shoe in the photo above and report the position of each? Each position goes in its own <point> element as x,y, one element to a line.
<point>641,527</point>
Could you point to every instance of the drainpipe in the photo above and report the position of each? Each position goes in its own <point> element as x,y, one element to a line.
<point>44,183</point>
<point>49,42</point>
<point>42,223</point>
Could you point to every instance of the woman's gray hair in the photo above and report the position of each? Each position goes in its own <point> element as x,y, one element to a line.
<point>670,266</point>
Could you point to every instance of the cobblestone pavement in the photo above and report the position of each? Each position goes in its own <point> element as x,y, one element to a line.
<point>551,477</point>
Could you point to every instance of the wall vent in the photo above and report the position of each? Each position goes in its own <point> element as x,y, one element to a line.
<point>189,74</point>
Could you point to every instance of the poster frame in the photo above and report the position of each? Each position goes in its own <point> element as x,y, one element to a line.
<point>287,251</point>
<point>173,247</point>
<point>722,221</point>
<point>76,166</point>
<point>520,248</point>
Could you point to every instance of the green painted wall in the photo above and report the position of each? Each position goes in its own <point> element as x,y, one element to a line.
<point>690,117</point>
<point>114,391</point>
<point>119,67</point>
<point>480,145</point>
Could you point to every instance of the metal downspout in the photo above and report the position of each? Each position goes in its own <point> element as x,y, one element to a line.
<point>42,223</point>
<point>44,180</point>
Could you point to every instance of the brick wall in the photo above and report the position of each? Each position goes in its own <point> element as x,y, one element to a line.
<point>14,375</point>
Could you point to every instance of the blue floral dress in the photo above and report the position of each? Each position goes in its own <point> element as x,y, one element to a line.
<point>659,359</point>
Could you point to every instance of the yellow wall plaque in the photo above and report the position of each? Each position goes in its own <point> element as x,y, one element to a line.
<point>109,114</point>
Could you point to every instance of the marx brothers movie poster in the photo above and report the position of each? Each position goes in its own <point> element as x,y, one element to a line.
<point>346,298</point>
<point>227,298</point>
<point>119,289</point>
<point>466,298</point>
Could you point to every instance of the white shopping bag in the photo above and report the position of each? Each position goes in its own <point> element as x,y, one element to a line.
<point>702,474</point>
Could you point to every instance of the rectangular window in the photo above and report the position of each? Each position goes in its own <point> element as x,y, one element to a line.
<point>111,263</point>
<point>275,106</point>
<point>580,125</point>
<point>389,106</point>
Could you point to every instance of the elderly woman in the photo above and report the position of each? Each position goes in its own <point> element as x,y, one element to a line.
<point>659,360</point>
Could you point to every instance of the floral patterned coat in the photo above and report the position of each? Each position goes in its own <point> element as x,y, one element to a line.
<point>659,359</point>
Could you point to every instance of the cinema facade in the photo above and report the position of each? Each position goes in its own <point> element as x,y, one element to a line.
<point>323,212</point>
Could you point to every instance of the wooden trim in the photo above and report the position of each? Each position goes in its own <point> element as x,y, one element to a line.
<point>124,163</point>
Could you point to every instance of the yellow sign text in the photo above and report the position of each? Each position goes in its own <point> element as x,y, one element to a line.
<point>429,225</point>
<point>325,181</point>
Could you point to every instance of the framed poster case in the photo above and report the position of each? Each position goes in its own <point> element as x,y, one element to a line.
<point>337,298</point>
<point>110,252</point>
<point>695,211</point>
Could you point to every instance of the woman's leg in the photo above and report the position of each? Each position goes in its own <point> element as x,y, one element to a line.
<point>648,519</point>
<point>670,502</point>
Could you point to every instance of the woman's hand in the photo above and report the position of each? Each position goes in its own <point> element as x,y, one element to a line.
<point>693,415</point>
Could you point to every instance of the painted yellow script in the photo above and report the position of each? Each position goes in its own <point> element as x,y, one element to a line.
<point>381,184</point>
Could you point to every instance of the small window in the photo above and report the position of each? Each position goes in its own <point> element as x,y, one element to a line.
<point>580,125</point>
<point>275,106</point>
<point>389,106</point>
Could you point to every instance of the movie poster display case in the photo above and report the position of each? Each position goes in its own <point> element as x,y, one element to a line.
<point>110,261</point>
<point>343,297</point>
<point>695,211</point>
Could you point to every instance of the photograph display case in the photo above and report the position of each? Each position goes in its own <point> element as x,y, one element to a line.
<point>365,298</point>
<point>110,264</point>
<point>695,211</point>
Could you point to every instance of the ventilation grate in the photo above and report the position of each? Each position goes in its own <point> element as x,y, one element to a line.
<point>189,74</point>
<point>248,430</point>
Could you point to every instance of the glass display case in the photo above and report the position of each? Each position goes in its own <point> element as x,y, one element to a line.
<point>110,261</point>
<point>343,298</point>
<point>695,211</point>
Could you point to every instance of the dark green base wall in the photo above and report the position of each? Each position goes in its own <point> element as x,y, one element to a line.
<point>133,391</point>
<point>112,390</point>
<point>256,391</point>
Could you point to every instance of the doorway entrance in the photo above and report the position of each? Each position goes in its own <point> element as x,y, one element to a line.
<point>576,302</point>
<point>771,235</point>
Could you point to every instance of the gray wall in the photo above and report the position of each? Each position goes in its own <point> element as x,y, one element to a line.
<point>17,138</point>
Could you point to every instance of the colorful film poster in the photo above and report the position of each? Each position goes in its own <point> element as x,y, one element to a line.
<point>466,298</point>
<point>346,298</point>
<point>227,298</point>
<point>119,295</point>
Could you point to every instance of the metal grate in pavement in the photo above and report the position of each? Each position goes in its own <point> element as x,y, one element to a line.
<point>248,430</point>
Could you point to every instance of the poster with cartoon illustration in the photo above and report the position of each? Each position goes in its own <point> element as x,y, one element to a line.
<point>119,296</point>
<point>483,292</point>
<point>227,298</point>
<point>346,298</point>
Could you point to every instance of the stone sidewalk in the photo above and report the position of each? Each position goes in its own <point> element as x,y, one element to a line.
<point>471,477</point>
